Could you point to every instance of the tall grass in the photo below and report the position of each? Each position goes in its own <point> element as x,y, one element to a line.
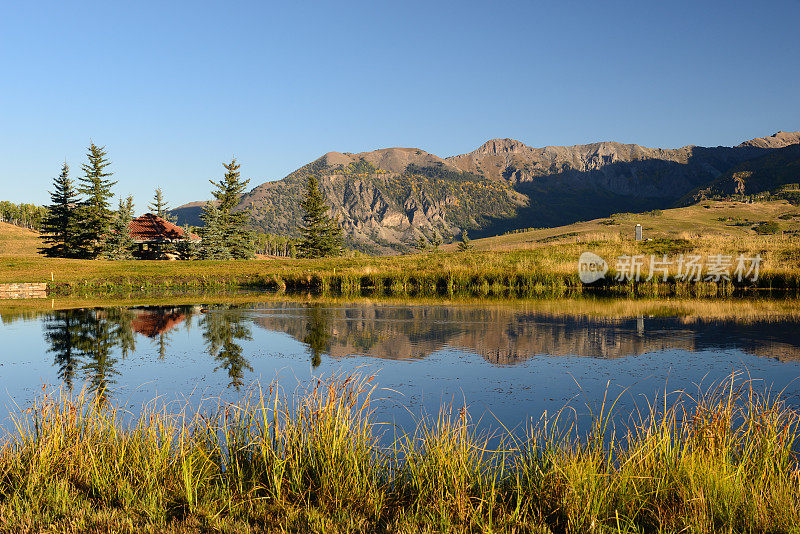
<point>725,460</point>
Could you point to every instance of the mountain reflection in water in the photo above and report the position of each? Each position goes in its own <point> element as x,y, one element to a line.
<point>107,348</point>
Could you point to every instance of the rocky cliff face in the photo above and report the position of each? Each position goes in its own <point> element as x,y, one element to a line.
<point>623,169</point>
<point>386,199</point>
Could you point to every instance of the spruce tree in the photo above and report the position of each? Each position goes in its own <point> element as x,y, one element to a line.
<point>321,235</point>
<point>159,206</point>
<point>185,247</point>
<point>466,243</point>
<point>60,225</point>
<point>95,215</point>
<point>212,247</point>
<point>119,244</point>
<point>229,190</point>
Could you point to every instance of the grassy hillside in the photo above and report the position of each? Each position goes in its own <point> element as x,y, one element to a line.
<point>710,219</point>
<point>16,241</point>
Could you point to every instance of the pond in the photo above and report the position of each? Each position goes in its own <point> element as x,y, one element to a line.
<point>507,362</point>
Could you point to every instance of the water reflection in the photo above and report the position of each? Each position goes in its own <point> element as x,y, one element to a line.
<point>222,329</point>
<point>90,344</point>
<point>318,332</point>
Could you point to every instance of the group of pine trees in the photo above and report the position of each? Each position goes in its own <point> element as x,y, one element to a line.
<point>79,221</point>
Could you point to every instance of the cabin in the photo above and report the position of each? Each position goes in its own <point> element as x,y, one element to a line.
<point>154,237</point>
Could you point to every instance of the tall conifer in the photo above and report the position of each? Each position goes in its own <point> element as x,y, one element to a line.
<point>235,238</point>
<point>119,244</point>
<point>159,206</point>
<point>322,235</point>
<point>60,225</point>
<point>95,215</point>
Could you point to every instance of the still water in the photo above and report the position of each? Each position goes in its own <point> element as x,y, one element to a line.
<point>506,363</point>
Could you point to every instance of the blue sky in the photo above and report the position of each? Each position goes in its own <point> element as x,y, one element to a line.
<point>173,89</point>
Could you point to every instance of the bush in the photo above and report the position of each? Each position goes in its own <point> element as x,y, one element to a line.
<point>767,228</point>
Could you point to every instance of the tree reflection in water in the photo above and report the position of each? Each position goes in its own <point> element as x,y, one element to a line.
<point>98,335</point>
<point>86,339</point>
<point>223,327</point>
<point>318,332</point>
<point>61,331</point>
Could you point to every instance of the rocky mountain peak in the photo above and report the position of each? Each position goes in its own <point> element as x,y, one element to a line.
<point>501,146</point>
<point>777,140</point>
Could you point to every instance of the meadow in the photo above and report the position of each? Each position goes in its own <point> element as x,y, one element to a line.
<point>518,264</point>
<point>309,461</point>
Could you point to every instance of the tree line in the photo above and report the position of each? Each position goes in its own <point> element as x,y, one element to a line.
<point>79,222</point>
<point>25,215</point>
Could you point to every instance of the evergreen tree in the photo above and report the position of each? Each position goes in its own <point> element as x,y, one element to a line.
<point>159,206</point>
<point>60,225</point>
<point>322,235</point>
<point>95,215</point>
<point>421,244</point>
<point>229,190</point>
<point>437,242</point>
<point>186,248</point>
<point>466,243</point>
<point>119,244</point>
<point>212,247</point>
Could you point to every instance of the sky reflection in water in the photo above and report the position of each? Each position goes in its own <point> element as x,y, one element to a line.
<point>508,364</point>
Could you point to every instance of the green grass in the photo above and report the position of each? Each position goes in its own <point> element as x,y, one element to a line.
<point>725,460</point>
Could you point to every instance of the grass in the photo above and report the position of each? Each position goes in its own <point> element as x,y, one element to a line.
<point>687,309</point>
<point>725,460</point>
<point>726,219</point>
<point>542,262</point>
<point>17,241</point>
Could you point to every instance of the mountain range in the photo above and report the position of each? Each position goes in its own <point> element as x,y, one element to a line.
<point>387,199</point>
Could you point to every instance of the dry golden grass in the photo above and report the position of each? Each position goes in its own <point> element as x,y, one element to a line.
<point>724,460</point>
<point>16,241</point>
<point>689,222</point>
<point>522,262</point>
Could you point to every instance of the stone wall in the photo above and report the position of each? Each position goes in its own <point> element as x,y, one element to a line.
<point>23,291</point>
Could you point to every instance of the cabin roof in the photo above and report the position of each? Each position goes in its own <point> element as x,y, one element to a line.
<point>150,228</point>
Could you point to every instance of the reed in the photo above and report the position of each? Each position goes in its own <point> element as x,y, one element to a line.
<point>549,268</point>
<point>723,460</point>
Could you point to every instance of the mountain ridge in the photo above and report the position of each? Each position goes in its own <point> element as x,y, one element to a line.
<point>386,199</point>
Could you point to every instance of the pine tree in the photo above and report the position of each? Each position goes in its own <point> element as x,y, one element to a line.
<point>436,242</point>
<point>159,206</point>
<point>421,244</point>
<point>212,247</point>
<point>322,235</point>
<point>95,215</point>
<point>466,243</point>
<point>60,225</point>
<point>119,244</point>
<point>229,190</point>
<point>185,247</point>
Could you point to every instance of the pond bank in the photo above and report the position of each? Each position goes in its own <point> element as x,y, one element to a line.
<point>727,461</point>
